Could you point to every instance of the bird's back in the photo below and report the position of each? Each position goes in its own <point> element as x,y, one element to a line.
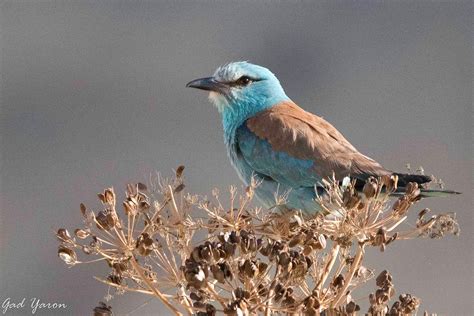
<point>293,150</point>
<point>303,135</point>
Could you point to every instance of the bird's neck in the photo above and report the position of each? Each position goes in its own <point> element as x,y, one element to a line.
<point>234,115</point>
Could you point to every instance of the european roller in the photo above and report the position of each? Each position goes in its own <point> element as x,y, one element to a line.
<point>289,150</point>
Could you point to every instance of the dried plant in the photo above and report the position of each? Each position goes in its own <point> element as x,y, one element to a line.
<point>200,257</point>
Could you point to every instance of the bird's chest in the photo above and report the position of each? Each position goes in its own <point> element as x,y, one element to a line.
<point>252,155</point>
<point>234,145</point>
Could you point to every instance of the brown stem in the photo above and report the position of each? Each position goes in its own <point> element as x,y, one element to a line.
<point>187,303</point>
<point>350,274</point>
<point>155,216</point>
<point>270,292</point>
<point>157,293</point>
<point>125,288</point>
<point>216,295</point>
<point>328,267</point>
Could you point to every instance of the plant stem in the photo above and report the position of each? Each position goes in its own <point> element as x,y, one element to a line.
<point>187,303</point>
<point>328,267</point>
<point>157,293</point>
<point>350,274</point>
<point>270,292</point>
<point>216,295</point>
<point>125,288</point>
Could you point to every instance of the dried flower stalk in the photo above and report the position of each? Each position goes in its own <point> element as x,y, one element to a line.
<point>199,257</point>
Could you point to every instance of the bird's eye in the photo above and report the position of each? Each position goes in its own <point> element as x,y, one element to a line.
<point>244,80</point>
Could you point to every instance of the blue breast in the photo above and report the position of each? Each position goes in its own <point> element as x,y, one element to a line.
<point>279,172</point>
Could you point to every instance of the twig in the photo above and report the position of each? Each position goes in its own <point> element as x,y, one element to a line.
<point>350,274</point>
<point>157,293</point>
<point>328,267</point>
<point>126,288</point>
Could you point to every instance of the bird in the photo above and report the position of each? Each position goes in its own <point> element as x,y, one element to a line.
<point>286,149</point>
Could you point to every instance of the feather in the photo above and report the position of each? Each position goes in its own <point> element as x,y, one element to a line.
<point>302,135</point>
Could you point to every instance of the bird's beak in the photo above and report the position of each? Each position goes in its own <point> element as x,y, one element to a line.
<point>208,84</point>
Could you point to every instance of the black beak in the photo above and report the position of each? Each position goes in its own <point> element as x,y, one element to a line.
<point>208,84</point>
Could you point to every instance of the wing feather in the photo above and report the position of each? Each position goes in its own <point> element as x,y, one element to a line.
<point>303,135</point>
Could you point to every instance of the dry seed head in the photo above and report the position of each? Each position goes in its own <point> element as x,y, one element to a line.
<point>384,279</point>
<point>409,303</point>
<point>142,187</point>
<point>109,196</point>
<point>81,233</point>
<point>103,310</point>
<point>105,220</point>
<point>296,240</point>
<point>370,188</point>
<point>307,250</point>
<point>83,209</point>
<point>412,189</point>
<point>130,206</point>
<point>423,213</point>
<point>115,278</point>
<point>144,244</point>
<point>179,171</point>
<point>63,235</point>
<point>218,273</point>
<point>251,261</point>
<point>352,307</point>
<point>179,188</point>
<point>390,183</point>
<point>67,255</point>
<point>338,282</point>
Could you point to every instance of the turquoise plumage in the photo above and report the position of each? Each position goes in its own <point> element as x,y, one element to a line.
<point>288,149</point>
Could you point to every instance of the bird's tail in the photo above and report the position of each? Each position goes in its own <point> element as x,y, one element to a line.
<point>404,179</point>
<point>426,192</point>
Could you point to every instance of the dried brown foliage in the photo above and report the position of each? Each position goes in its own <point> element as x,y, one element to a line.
<point>200,257</point>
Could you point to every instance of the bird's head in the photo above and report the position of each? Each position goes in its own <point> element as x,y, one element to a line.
<point>241,89</point>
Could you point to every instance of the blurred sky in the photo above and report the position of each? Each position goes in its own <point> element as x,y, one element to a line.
<point>92,95</point>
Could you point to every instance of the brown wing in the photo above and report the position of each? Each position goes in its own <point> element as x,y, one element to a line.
<point>288,128</point>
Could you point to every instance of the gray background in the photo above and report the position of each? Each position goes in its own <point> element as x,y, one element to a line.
<point>93,95</point>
